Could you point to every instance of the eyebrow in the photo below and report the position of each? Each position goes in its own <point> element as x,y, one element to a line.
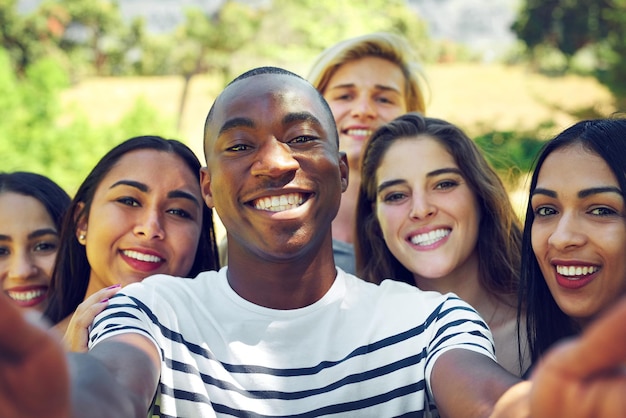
<point>376,86</point>
<point>433,173</point>
<point>581,194</point>
<point>42,232</point>
<point>598,190</point>
<point>174,194</point>
<point>296,117</point>
<point>35,234</point>
<point>236,123</point>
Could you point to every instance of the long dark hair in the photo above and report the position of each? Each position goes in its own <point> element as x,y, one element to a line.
<point>72,270</point>
<point>546,322</point>
<point>51,195</point>
<point>499,237</point>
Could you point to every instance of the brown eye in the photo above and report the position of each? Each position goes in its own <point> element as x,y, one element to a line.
<point>544,211</point>
<point>128,201</point>
<point>603,211</point>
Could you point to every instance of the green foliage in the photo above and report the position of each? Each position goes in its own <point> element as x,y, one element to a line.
<point>25,38</point>
<point>512,153</point>
<point>295,32</point>
<point>36,136</point>
<point>571,26</point>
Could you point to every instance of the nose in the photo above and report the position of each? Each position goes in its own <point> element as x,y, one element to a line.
<point>567,233</point>
<point>150,225</point>
<point>275,158</point>
<point>421,207</point>
<point>21,266</point>
<point>363,108</point>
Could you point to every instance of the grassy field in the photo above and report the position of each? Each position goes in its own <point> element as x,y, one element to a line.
<point>478,98</point>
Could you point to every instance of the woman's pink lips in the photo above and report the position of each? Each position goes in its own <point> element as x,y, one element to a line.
<point>143,266</point>
<point>574,283</point>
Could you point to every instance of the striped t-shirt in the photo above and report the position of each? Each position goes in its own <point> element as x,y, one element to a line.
<point>362,350</point>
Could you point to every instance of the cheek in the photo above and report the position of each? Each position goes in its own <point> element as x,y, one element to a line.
<point>186,241</point>
<point>389,114</point>
<point>537,239</point>
<point>615,255</point>
<point>389,219</point>
<point>338,109</point>
<point>47,265</point>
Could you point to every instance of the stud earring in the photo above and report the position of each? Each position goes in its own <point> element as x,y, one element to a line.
<point>81,237</point>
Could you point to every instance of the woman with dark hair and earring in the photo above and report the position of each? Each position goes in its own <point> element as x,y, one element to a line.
<point>432,212</point>
<point>31,211</point>
<point>138,213</point>
<point>574,243</point>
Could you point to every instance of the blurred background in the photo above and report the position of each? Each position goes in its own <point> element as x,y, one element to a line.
<point>79,76</point>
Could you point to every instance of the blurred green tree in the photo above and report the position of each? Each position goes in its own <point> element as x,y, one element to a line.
<point>29,37</point>
<point>298,31</point>
<point>206,42</point>
<point>571,25</point>
<point>97,34</point>
<point>35,135</point>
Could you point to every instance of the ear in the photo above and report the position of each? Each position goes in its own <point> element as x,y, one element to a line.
<point>80,218</point>
<point>205,187</point>
<point>344,170</point>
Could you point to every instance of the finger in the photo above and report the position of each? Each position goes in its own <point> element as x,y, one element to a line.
<point>87,314</point>
<point>99,296</point>
<point>76,336</point>
<point>601,347</point>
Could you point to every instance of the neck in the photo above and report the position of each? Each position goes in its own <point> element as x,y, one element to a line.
<point>94,285</point>
<point>344,222</point>
<point>289,282</point>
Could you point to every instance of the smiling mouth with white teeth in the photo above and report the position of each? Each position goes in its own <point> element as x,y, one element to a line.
<point>149,258</point>
<point>430,238</point>
<point>27,296</point>
<point>574,272</point>
<point>279,203</point>
<point>358,132</point>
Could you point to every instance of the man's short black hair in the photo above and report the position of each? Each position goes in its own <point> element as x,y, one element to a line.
<point>280,71</point>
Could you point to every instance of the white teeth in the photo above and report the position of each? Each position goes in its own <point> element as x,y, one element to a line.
<point>576,271</point>
<point>430,238</point>
<point>279,203</point>
<point>142,257</point>
<point>26,296</point>
<point>359,132</point>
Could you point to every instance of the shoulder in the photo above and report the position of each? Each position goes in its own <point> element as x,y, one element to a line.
<point>165,286</point>
<point>399,296</point>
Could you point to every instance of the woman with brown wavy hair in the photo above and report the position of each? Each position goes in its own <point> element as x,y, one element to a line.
<point>432,212</point>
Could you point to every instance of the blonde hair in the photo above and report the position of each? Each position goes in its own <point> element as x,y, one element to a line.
<point>389,46</point>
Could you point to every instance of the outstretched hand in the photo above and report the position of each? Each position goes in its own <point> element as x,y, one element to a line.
<point>34,377</point>
<point>76,336</point>
<point>585,377</point>
<point>581,378</point>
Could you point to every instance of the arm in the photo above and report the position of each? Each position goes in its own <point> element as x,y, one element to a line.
<point>118,377</point>
<point>31,357</point>
<point>468,384</point>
